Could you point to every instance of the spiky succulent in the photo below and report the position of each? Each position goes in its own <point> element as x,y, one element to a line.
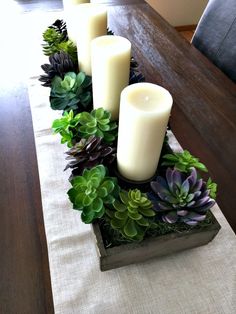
<point>91,192</point>
<point>89,153</point>
<point>97,123</point>
<point>181,197</point>
<point>183,161</point>
<point>132,215</point>
<point>59,64</point>
<point>56,39</point>
<point>72,92</point>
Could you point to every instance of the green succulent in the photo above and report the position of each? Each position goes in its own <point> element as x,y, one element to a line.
<point>183,161</point>
<point>132,215</point>
<point>91,192</point>
<point>212,186</point>
<point>66,127</point>
<point>97,123</point>
<point>72,92</point>
<point>56,40</point>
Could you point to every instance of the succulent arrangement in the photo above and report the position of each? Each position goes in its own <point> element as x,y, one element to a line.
<point>89,153</point>
<point>132,214</point>
<point>177,197</point>
<point>56,39</point>
<point>181,197</point>
<point>71,92</point>
<point>183,161</point>
<point>60,63</point>
<point>92,192</point>
<point>66,126</point>
<point>97,123</point>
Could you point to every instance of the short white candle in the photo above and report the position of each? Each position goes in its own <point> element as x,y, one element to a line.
<point>144,114</point>
<point>90,22</point>
<point>110,57</point>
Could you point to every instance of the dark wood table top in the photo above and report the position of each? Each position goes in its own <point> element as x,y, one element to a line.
<point>203,120</point>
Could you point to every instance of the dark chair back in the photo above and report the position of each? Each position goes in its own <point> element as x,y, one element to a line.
<point>215,35</point>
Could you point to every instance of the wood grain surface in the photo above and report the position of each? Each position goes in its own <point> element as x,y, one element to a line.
<point>203,120</point>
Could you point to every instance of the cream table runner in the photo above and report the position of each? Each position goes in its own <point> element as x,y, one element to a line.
<point>197,281</point>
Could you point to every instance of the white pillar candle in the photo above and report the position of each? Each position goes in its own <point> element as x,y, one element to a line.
<point>71,3</point>
<point>90,22</point>
<point>69,6</point>
<point>110,57</point>
<point>144,114</point>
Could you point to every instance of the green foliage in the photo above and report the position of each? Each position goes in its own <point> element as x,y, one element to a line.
<point>66,127</point>
<point>55,41</point>
<point>183,161</point>
<point>212,186</point>
<point>91,192</point>
<point>72,92</point>
<point>97,123</point>
<point>132,215</point>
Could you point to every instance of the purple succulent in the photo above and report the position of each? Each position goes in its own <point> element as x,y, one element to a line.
<point>89,153</point>
<point>181,197</point>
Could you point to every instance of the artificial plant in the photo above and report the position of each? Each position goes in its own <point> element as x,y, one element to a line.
<point>92,192</point>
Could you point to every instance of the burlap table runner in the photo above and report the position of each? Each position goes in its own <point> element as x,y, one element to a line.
<point>197,281</point>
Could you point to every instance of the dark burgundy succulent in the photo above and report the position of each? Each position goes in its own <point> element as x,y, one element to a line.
<point>60,64</point>
<point>181,197</point>
<point>88,154</point>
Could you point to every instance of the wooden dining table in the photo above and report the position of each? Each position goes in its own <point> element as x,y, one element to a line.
<point>203,120</point>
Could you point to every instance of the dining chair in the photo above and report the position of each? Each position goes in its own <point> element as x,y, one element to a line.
<point>215,35</point>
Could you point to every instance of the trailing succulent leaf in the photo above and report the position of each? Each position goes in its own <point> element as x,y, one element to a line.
<point>181,197</point>
<point>212,186</point>
<point>66,127</point>
<point>72,92</point>
<point>90,153</point>
<point>132,215</point>
<point>97,123</point>
<point>91,192</point>
<point>135,75</point>
<point>56,39</point>
<point>183,161</point>
<point>60,64</point>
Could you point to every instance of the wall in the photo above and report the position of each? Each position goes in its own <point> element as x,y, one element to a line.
<point>179,12</point>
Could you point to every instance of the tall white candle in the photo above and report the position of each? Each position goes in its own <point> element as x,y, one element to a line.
<point>144,114</point>
<point>90,22</point>
<point>110,57</point>
<point>69,7</point>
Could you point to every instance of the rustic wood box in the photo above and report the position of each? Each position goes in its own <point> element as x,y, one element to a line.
<point>132,253</point>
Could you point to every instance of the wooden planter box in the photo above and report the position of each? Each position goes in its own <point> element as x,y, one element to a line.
<point>132,253</point>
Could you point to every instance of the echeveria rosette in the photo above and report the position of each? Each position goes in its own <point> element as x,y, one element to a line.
<point>132,214</point>
<point>181,197</point>
<point>59,64</point>
<point>98,123</point>
<point>92,192</point>
<point>89,153</point>
<point>71,92</point>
